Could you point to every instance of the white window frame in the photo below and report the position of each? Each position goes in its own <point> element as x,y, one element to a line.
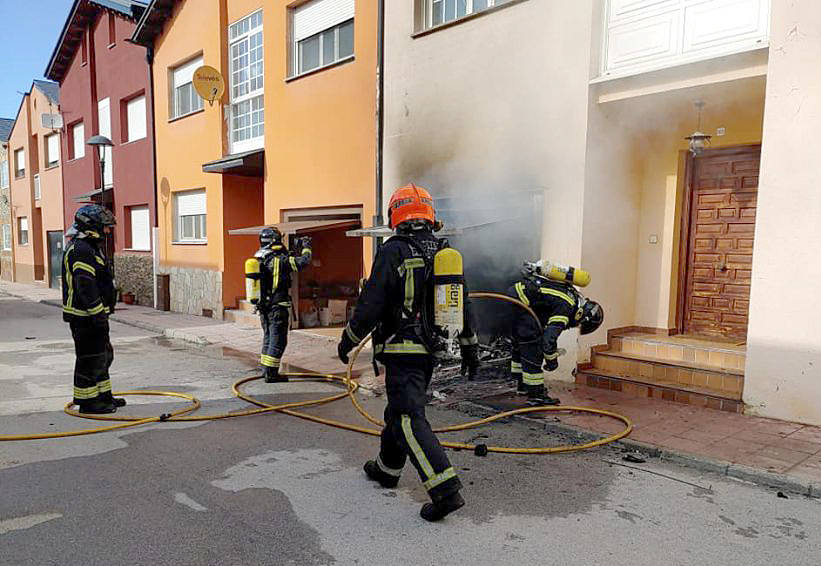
<point>19,155</point>
<point>297,49</point>
<point>198,221</point>
<point>142,241</point>
<point>37,193</point>
<point>136,123</point>
<point>20,231</point>
<point>4,173</point>
<point>6,237</point>
<point>50,161</point>
<point>469,10</point>
<point>197,104</point>
<point>79,130</point>
<point>253,99</point>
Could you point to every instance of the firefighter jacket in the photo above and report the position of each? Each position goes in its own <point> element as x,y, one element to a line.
<point>555,303</point>
<point>396,303</point>
<point>276,266</point>
<point>88,287</point>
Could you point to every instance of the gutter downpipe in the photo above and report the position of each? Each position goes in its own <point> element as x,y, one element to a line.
<point>378,219</point>
<point>155,231</point>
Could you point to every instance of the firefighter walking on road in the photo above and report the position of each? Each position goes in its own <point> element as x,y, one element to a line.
<point>88,299</point>
<point>270,274</point>
<point>397,304</point>
<point>549,291</point>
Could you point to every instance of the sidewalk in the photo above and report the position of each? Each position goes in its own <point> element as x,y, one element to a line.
<point>777,453</point>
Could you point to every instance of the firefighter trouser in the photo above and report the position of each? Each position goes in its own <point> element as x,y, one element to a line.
<point>526,350</point>
<point>275,335</point>
<point>94,356</point>
<point>407,431</point>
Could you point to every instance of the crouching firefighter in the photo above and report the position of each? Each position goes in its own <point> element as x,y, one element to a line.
<point>397,304</point>
<point>268,282</point>
<point>88,298</point>
<point>549,290</point>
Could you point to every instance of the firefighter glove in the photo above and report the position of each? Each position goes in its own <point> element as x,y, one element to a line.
<point>344,348</point>
<point>305,242</point>
<point>470,360</point>
<point>551,365</point>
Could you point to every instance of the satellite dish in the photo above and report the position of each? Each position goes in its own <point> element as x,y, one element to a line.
<point>52,121</point>
<point>209,84</point>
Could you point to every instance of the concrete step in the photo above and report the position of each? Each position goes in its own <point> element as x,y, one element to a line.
<point>246,306</point>
<point>241,317</point>
<point>717,381</point>
<point>691,352</point>
<point>645,388</point>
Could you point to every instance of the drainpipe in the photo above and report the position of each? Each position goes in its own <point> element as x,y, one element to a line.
<point>378,220</point>
<point>155,253</point>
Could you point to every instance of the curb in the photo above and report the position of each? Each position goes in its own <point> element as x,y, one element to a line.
<point>175,333</point>
<point>763,478</point>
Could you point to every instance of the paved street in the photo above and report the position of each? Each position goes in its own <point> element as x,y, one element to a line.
<point>273,489</point>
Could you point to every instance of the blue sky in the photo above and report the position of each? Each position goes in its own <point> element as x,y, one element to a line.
<point>28,33</point>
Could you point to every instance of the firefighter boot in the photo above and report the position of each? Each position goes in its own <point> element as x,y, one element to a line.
<point>97,407</point>
<point>272,376</point>
<point>109,398</point>
<point>537,396</point>
<point>440,509</point>
<point>374,473</point>
<point>521,389</point>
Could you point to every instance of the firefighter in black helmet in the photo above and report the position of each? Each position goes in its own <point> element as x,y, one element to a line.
<point>559,305</point>
<point>88,299</point>
<point>276,266</point>
<point>396,304</point>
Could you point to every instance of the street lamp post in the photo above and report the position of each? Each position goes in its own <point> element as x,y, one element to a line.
<point>102,143</point>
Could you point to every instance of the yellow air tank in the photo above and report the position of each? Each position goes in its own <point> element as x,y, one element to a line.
<point>564,273</point>
<point>252,280</point>
<point>449,291</point>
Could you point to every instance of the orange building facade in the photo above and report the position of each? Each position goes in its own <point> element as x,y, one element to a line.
<point>36,188</point>
<point>292,142</point>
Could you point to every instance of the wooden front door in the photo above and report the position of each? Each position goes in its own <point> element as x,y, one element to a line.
<point>719,255</point>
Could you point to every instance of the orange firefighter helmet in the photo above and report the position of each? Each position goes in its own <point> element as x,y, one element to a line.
<point>410,203</point>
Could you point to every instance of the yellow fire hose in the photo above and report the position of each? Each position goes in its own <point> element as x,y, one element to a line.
<point>182,415</point>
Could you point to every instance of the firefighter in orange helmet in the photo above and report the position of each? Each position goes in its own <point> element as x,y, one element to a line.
<point>396,304</point>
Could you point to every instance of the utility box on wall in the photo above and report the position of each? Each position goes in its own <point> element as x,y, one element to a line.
<point>164,292</point>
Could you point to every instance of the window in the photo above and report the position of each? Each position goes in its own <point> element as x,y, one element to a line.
<point>140,228</point>
<point>112,24</point>
<point>190,216</point>
<point>135,124</point>
<point>184,99</point>
<point>4,173</point>
<point>438,12</point>
<point>323,34</point>
<point>78,140</point>
<point>22,230</point>
<point>37,187</point>
<point>6,236</point>
<point>19,163</point>
<point>247,106</point>
<point>52,150</point>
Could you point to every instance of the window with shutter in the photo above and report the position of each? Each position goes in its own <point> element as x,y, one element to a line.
<point>135,116</point>
<point>323,34</point>
<point>184,99</point>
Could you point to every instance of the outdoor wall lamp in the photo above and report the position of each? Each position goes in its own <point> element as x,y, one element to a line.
<point>698,140</point>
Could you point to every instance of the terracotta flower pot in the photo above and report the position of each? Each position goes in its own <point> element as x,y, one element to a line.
<point>128,298</point>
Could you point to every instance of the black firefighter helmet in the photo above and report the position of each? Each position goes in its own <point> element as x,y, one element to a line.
<point>90,220</point>
<point>592,316</point>
<point>270,237</point>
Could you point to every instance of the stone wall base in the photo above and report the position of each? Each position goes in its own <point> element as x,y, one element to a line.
<point>5,266</point>
<point>134,273</point>
<point>195,291</point>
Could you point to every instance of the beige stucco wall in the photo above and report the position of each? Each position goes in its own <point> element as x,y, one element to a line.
<point>470,112</point>
<point>783,373</point>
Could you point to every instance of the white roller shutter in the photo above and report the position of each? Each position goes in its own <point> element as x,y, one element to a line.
<point>184,74</point>
<point>24,223</point>
<point>104,127</point>
<point>53,143</point>
<point>79,133</point>
<point>140,228</point>
<point>20,157</point>
<point>136,118</point>
<point>313,17</point>
<point>190,203</point>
